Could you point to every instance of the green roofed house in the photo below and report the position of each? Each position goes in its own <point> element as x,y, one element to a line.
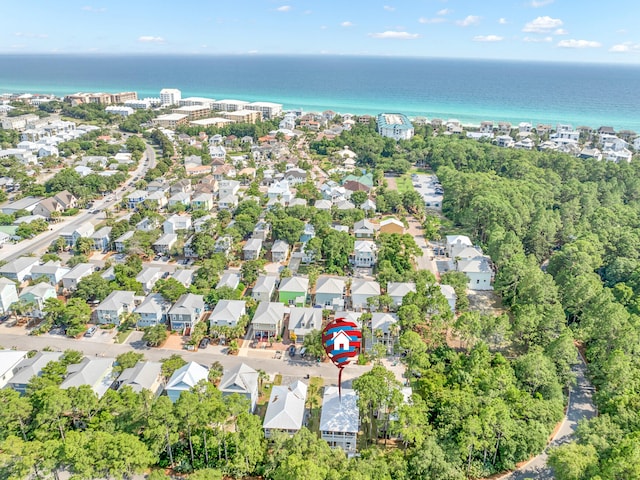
<point>366,179</point>
<point>293,291</point>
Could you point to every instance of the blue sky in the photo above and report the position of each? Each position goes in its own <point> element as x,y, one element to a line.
<point>555,30</point>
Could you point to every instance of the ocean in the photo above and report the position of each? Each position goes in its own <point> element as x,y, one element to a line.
<point>468,90</point>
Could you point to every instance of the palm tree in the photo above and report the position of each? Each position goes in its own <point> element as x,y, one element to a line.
<point>215,372</point>
<point>262,376</point>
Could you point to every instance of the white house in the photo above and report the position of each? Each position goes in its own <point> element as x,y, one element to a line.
<point>185,378</point>
<point>252,249</point>
<point>264,287</point>
<point>227,313</point>
<point>382,323</point>
<point>186,312</point>
<point>457,243</point>
<point>330,292</point>
<point>361,290</point>
<point>302,321</point>
<point>19,269</point>
<point>478,270</point>
<point>77,273</point>
<point>285,412</point>
<point>398,290</point>
<point>228,187</point>
<point>340,419</point>
<point>267,320</point>
<point>450,294</point>
<point>9,360</point>
<point>279,251</point>
<point>175,223</point>
<point>152,311</point>
<point>241,380</point>
<point>112,307</point>
<point>8,294</point>
<point>148,277</point>
<point>365,254</point>
<point>95,372</point>
<point>29,368</point>
<point>229,279</point>
<point>51,270</point>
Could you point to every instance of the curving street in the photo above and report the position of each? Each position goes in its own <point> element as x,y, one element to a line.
<point>581,407</point>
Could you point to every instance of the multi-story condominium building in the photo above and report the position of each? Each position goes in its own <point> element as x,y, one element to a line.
<point>268,109</point>
<point>228,105</point>
<point>395,125</point>
<point>170,96</point>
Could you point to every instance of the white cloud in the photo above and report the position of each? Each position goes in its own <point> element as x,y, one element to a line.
<point>323,27</point>
<point>561,31</point>
<point>150,39</point>
<point>444,11</point>
<point>395,35</point>
<point>502,21</point>
<point>31,35</point>
<point>346,24</point>
<point>625,47</point>
<point>542,25</point>
<point>487,38</point>
<point>579,44</point>
<point>540,3</point>
<point>427,21</point>
<point>389,8</point>
<point>283,8</point>
<point>468,21</point>
<point>88,8</point>
<point>537,39</point>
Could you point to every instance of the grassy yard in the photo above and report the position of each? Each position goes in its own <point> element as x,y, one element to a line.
<point>404,183</point>
<point>122,335</point>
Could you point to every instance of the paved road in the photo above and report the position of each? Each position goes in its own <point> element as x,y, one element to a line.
<point>258,359</point>
<point>42,241</point>
<point>581,407</point>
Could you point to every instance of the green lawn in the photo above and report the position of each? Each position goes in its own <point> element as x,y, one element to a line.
<point>404,183</point>
<point>122,336</point>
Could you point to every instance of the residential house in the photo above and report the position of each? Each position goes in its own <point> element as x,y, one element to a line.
<point>29,368</point>
<point>9,361</point>
<point>120,243</point>
<point>163,245</point>
<point>261,230</point>
<point>230,279</point>
<point>308,233</point>
<point>77,273</point>
<point>142,376</point>
<point>267,320</point>
<point>450,294</point>
<point>252,249</point>
<point>323,204</point>
<point>217,151</point>
<point>264,287</point>
<point>184,379</point>
<point>202,224</point>
<point>84,230</point>
<point>51,270</point>
<point>223,245</point>
<point>8,295</point>
<point>157,198</point>
<point>365,254</point>
<point>152,311</point>
<point>202,201</point>
<point>330,292</point>
<point>398,290</point>
<point>175,223</point>
<point>228,202</point>
<point>478,270</point>
<point>184,275</point>
<point>19,269</point>
<point>157,186</point>
<point>183,185</point>
<point>26,203</point>
<point>345,205</point>
<point>101,239</point>
<point>221,171</point>
<point>295,176</point>
<point>135,198</point>
<point>456,243</point>
<point>186,312</point>
<point>382,329</point>
<point>148,277</point>
<point>180,198</point>
<point>361,291</point>
<point>227,313</point>
<point>280,190</point>
<point>285,412</point>
<point>340,419</point>
<point>391,225</point>
<point>48,207</point>
<point>504,141</point>
<point>117,303</point>
<point>36,295</point>
<point>364,229</point>
<point>279,251</point>
<point>241,380</point>
<point>95,372</point>
<point>350,316</point>
<point>302,321</point>
<point>293,291</point>
<point>228,187</point>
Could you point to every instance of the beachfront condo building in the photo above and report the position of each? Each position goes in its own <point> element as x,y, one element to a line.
<point>170,96</point>
<point>395,125</point>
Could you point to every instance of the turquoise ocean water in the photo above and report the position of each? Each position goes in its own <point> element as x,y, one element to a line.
<point>469,90</point>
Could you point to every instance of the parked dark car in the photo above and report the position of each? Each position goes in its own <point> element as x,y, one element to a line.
<point>204,343</point>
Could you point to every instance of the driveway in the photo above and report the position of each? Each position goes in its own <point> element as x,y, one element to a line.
<point>581,407</point>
